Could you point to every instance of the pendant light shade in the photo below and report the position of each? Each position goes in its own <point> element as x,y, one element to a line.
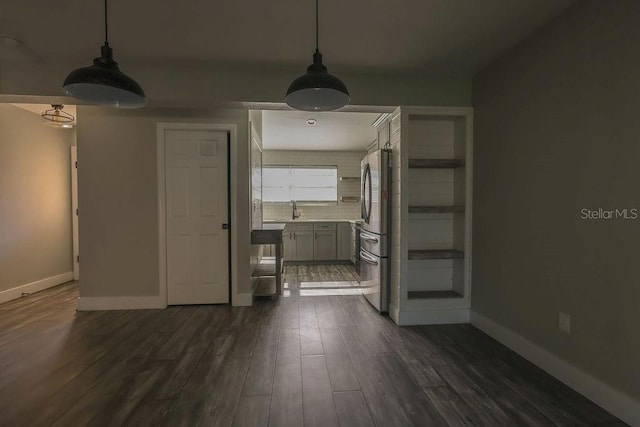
<point>317,90</point>
<point>103,83</point>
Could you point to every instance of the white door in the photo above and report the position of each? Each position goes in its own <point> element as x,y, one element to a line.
<point>197,217</point>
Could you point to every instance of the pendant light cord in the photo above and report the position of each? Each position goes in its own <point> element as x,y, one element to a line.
<point>316,25</point>
<point>106,24</point>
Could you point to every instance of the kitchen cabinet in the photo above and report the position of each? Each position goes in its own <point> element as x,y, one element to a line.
<point>324,245</point>
<point>324,241</point>
<point>289,247</point>
<point>343,241</point>
<point>298,242</point>
<point>318,241</point>
<point>304,246</point>
<point>384,133</point>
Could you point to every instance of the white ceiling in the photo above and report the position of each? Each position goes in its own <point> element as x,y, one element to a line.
<point>288,130</point>
<point>372,36</point>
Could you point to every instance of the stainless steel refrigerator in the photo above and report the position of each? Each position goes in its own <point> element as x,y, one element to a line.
<point>374,234</point>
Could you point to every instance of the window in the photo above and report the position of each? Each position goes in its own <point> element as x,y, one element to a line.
<point>300,183</point>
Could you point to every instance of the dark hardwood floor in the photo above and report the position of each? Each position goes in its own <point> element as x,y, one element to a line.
<point>302,360</point>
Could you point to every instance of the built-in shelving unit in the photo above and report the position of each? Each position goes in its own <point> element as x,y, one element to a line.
<point>436,163</point>
<point>436,209</point>
<point>431,219</point>
<point>433,294</point>
<point>417,254</point>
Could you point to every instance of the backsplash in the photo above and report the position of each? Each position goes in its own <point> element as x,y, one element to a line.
<point>348,163</point>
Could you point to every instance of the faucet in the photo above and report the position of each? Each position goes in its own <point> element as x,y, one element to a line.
<point>294,210</point>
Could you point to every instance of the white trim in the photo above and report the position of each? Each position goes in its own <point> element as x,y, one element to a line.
<point>243,300</point>
<point>120,303</point>
<point>431,317</point>
<point>394,313</point>
<point>616,402</point>
<point>162,220</point>
<point>162,237</point>
<point>39,285</point>
<point>74,216</point>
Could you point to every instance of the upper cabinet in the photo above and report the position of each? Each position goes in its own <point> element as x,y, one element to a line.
<point>431,214</point>
<point>384,133</point>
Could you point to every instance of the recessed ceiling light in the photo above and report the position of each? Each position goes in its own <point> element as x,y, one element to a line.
<point>10,42</point>
<point>311,122</point>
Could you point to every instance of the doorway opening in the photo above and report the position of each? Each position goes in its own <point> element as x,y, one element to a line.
<point>311,183</point>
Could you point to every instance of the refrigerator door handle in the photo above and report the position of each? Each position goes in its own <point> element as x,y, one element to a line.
<point>366,201</point>
<point>367,258</point>
<point>367,237</point>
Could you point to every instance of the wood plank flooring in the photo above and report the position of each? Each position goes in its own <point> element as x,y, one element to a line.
<point>301,360</point>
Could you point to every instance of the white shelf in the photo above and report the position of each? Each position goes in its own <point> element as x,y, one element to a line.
<point>432,195</point>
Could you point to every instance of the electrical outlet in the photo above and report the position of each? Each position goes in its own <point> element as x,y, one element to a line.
<point>564,322</point>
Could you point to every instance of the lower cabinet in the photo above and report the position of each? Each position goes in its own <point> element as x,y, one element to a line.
<point>303,242</point>
<point>288,246</point>
<point>343,242</point>
<point>298,242</point>
<point>324,241</point>
<point>325,245</point>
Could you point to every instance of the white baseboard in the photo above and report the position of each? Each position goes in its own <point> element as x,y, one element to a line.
<point>430,317</point>
<point>243,300</point>
<point>49,282</point>
<point>120,303</point>
<point>394,313</point>
<point>616,402</point>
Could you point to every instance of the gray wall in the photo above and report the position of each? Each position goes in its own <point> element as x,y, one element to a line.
<point>118,197</point>
<point>556,131</point>
<point>35,199</point>
<point>194,86</point>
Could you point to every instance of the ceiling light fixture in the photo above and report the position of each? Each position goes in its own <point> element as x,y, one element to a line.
<point>317,90</point>
<point>311,122</point>
<point>55,117</point>
<point>103,83</point>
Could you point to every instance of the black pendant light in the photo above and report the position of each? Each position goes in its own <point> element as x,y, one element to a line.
<point>317,90</point>
<point>103,83</point>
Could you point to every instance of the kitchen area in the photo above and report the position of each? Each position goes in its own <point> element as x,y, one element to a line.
<point>308,195</point>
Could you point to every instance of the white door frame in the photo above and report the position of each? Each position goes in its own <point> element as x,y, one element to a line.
<point>162,220</point>
<point>74,212</point>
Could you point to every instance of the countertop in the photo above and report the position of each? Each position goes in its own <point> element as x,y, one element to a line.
<point>273,225</point>
<point>268,222</point>
<point>268,235</point>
